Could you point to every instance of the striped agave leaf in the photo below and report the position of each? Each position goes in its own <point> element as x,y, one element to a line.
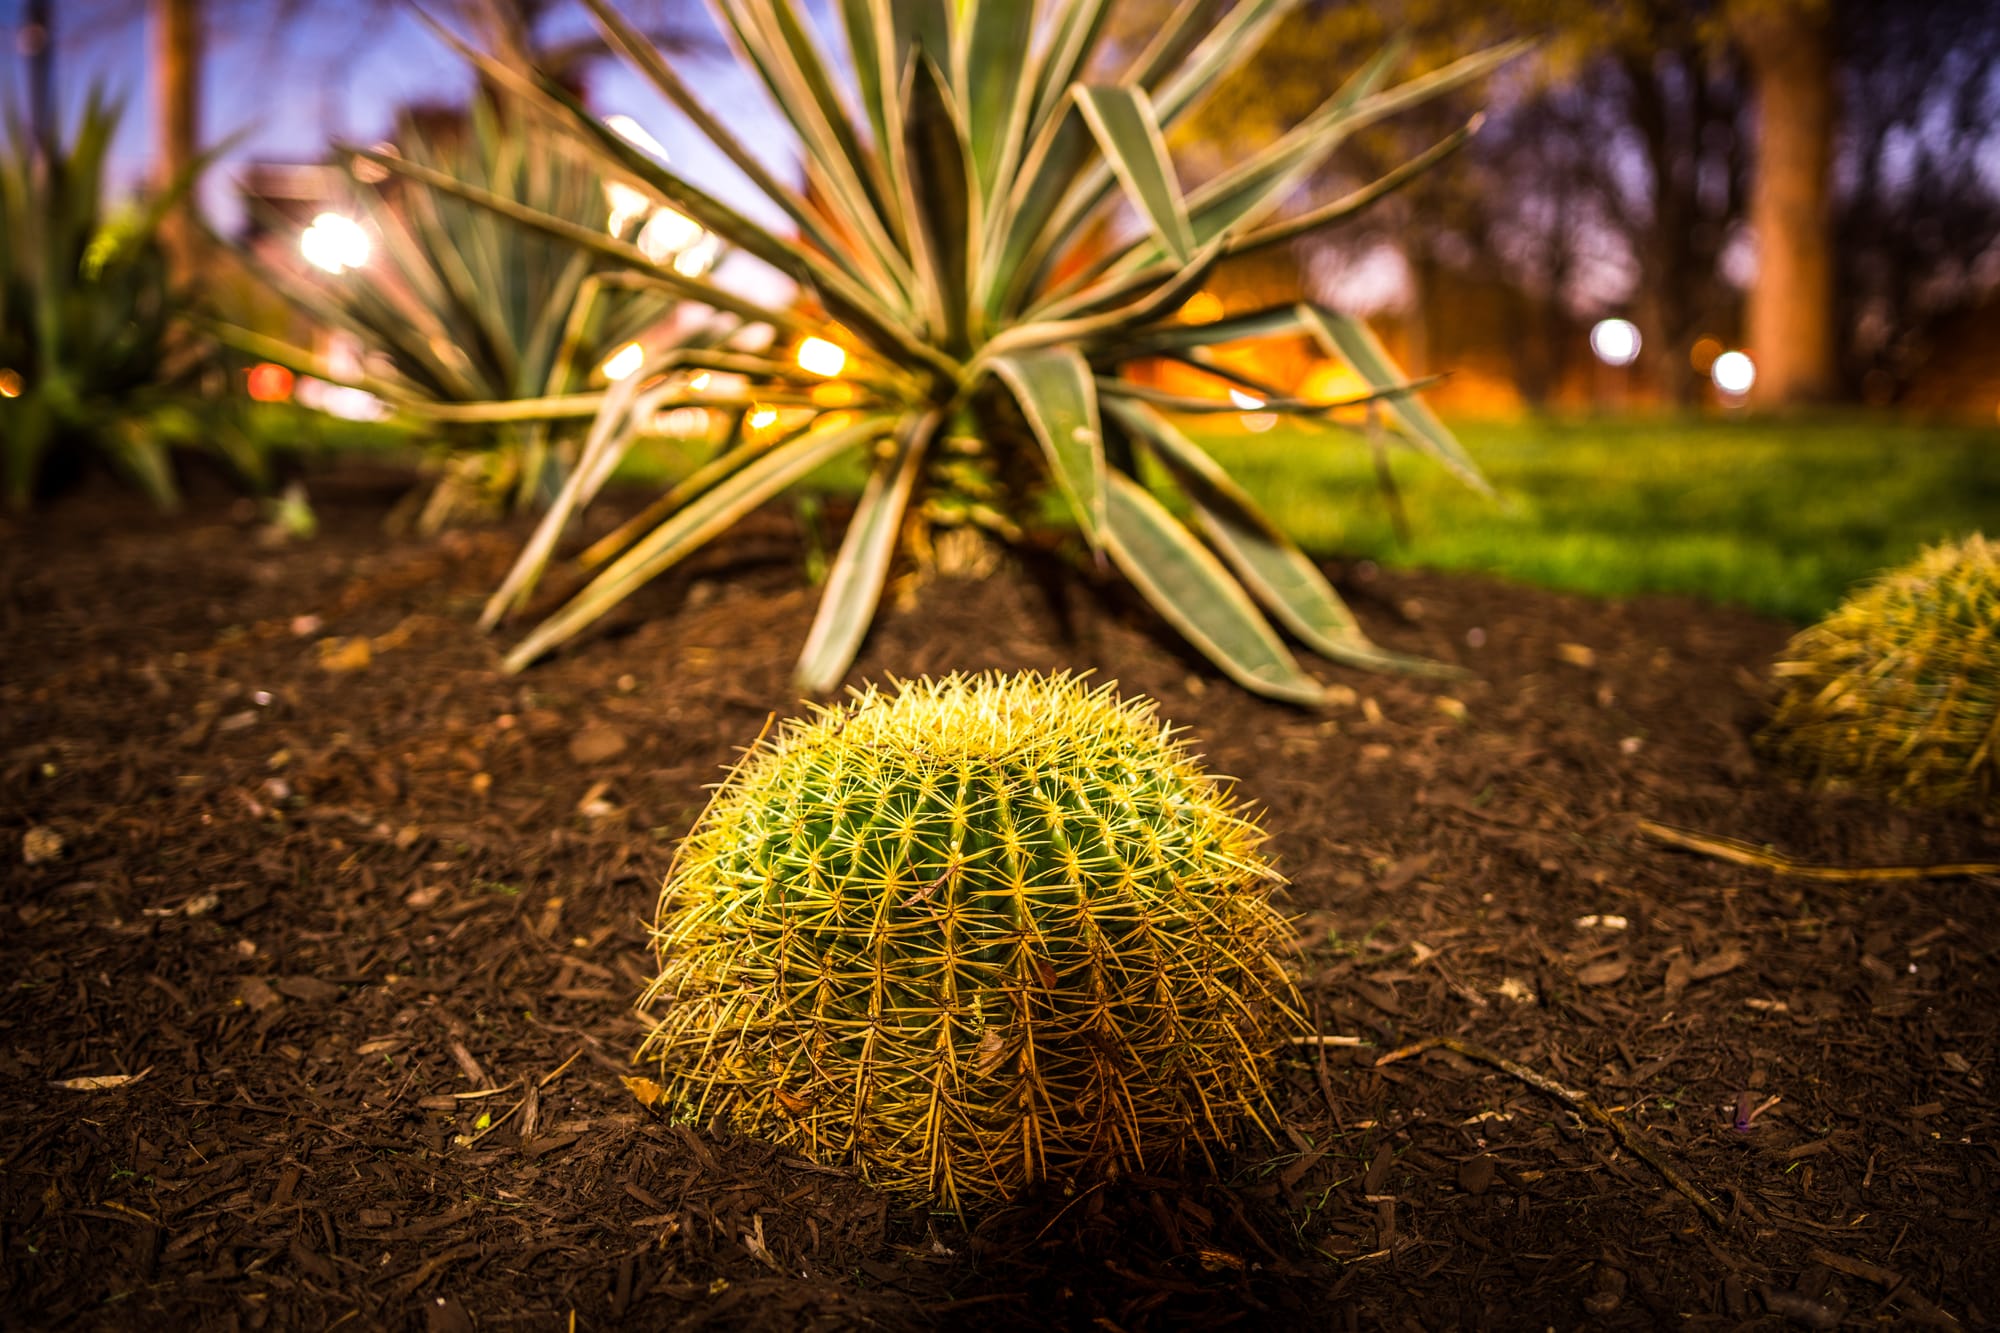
<point>955,158</point>
<point>483,331</point>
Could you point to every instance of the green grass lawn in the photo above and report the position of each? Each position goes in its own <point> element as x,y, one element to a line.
<point>1779,517</point>
<point>1783,518</point>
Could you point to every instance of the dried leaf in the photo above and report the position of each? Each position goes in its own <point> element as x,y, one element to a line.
<point>1576,655</point>
<point>593,805</point>
<point>1604,973</point>
<point>257,993</point>
<point>343,655</point>
<point>597,743</point>
<point>39,844</point>
<point>649,1093</point>
<point>992,1051</point>
<point>102,1082</point>
<point>1725,960</point>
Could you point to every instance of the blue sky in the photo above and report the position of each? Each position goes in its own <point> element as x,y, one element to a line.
<point>340,71</point>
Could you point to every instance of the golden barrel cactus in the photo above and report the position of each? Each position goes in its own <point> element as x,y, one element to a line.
<point>1898,690</point>
<point>972,935</point>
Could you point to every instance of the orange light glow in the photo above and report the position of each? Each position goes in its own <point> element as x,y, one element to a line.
<point>269,382</point>
<point>834,393</point>
<point>10,384</point>
<point>1702,355</point>
<point>1202,308</point>
<point>763,418</point>
<point>817,356</point>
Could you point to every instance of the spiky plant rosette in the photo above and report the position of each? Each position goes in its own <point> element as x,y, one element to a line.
<point>992,230</point>
<point>1898,691</point>
<point>489,337</point>
<point>970,935</point>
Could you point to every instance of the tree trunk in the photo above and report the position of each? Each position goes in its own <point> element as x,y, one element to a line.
<point>1791,333</point>
<point>177,38</point>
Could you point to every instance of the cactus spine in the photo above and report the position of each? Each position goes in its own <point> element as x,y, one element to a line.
<point>970,935</point>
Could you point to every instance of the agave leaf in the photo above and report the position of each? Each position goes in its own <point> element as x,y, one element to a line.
<point>1129,134</point>
<point>1072,321</point>
<point>1059,398</point>
<point>1177,35</point>
<point>1079,25</point>
<point>691,527</point>
<point>935,163</point>
<point>1189,587</point>
<point>589,238</point>
<point>1270,566</point>
<point>624,38</point>
<point>776,43</point>
<point>1169,338</point>
<point>1260,184</point>
<point>868,23</point>
<point>1108,387</point>
<point>1222,46</point>
<point>994,82</point>
<point>294,358</point>
<point>140,455</point>
<point>1226,46</point>
<point>1353,342</point>
<point>609,434</point>
<point>1353,202</point>
<point>854,585</point>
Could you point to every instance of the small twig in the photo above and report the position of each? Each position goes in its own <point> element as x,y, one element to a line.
<point>1743,854</point>
<point>1576,1101</point>
<point>1327,1041</point>
<point>560,1069</point>
<point>1898,1286</point>
<point>1325,1083</point>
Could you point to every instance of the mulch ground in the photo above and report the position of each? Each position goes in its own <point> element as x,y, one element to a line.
<point>357,920</point>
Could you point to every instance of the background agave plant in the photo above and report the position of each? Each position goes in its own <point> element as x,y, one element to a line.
<point>940,237</point>
<point>89,346</point>
<point>486,333</point>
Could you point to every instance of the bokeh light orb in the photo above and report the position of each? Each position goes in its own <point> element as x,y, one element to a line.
<point>1733,373</point>
<point>335,243</point>
<point>1615,341</point>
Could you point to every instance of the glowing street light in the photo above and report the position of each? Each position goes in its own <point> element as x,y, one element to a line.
<point>335,243</point>
<point>817,356</point>
<point>668,234</point>
<point>624,363</point>
<point>1616,342</point>
<point>698,258</point>
<point>1733,373</point>
<point>627,204</point>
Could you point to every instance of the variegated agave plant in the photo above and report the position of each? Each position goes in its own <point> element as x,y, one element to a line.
<point>484,334</point>
<point>942,235</point>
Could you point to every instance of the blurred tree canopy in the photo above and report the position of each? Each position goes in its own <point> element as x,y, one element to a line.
<point>1619,169</point>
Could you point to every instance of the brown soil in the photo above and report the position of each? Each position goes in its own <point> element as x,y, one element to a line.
<point>318,912</point>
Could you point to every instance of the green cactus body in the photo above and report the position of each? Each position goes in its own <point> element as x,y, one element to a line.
<point>1898,690</point>
<point>971,935</point>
